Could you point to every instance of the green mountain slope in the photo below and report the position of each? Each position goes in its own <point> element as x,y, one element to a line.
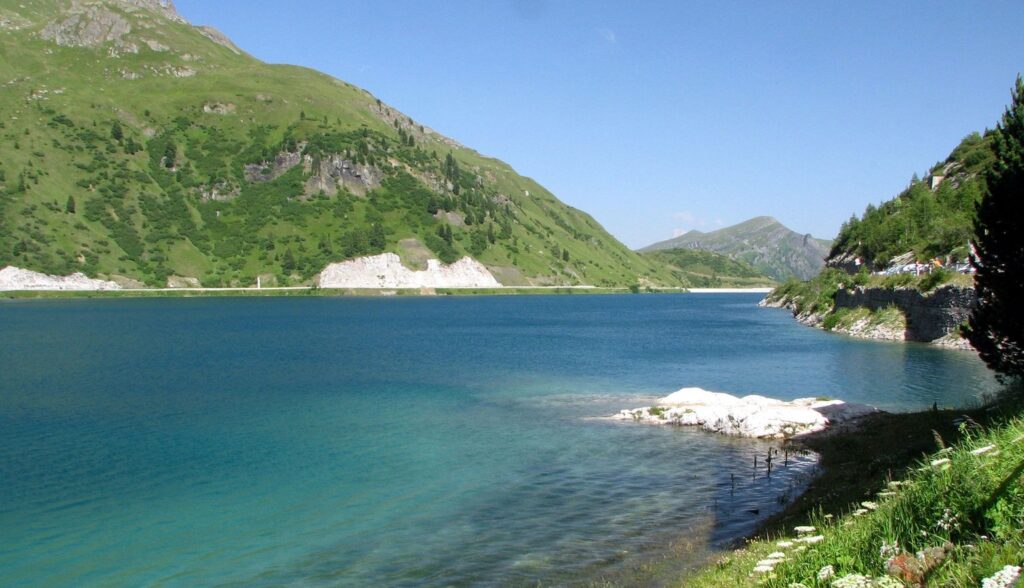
<point>932,217</point>
<point>135,144</point>
<point>763,242</point>
<point>707,269</point>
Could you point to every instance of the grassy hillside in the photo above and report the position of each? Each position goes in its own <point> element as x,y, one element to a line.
<point>932,217</point>
<point>954,520</point>
<point>134,144</point>
<point>763,242</point>
<point>707,269</point>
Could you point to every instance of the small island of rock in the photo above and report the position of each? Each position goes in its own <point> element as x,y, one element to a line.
<point>749,416</point>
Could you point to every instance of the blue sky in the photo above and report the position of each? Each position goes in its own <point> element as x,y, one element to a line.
<point>661,117</point>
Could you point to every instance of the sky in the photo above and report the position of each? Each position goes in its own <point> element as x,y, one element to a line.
<point>663,117</point>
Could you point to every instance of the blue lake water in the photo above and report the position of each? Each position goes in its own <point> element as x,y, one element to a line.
<point>403,441</point>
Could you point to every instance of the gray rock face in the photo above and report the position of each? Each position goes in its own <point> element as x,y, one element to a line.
<point>930,316</point>
<point>164,8</point>
<point>91,23</point>
<point>336,172</point>
<point>219,38</point>
<point>91,27</point>
<point>266,171</point>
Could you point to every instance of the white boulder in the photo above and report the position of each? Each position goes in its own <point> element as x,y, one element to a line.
<point>15,278</point>
<point>386,271</point>
<point>749,416</point>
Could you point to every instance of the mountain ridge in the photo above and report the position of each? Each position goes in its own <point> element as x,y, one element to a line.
<point>763,242</point>
<point>136,144</point>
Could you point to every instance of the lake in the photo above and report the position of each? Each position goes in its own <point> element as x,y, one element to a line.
<point>400,441</point>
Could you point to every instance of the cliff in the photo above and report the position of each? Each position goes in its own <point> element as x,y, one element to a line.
<point>900,314</point>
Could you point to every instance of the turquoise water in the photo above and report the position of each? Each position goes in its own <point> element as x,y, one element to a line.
<point>407,442</point>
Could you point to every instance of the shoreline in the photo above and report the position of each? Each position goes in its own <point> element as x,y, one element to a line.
<point>854,461</point>
<point>282,291</point>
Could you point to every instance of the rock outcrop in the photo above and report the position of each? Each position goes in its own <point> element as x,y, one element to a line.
<point>930,315</point>
<point>750,416</point>
<point>14,278</point>
<point>335,172</point>
<point>92,26</point>
<point>386,271</point>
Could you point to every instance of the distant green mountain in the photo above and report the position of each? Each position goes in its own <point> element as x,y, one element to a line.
<point>932,217</point>
<point>762,242</point>
<point>707,269</point>
<point>134,144</point>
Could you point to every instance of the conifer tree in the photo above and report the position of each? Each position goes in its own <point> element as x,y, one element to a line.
<point>70,206</point>
<point>996,326</point>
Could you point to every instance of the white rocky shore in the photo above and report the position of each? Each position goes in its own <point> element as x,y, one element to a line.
<point>15,278</point>
<point>749,416</point>
<point>386,271</point>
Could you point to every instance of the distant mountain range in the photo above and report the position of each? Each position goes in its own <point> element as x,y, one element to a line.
<point>763,242</point>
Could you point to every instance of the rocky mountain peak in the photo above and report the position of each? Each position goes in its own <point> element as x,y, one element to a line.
<point>92,23</point>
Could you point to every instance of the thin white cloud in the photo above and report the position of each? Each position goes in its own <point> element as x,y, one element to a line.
<point>608,35</point>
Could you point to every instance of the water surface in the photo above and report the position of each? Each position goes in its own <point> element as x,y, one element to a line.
<point>410,441</point>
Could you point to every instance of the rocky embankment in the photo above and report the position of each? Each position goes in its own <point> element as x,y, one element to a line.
<point>15,278</point>
<point>929,317</point>
<point>386,271</point>
<point>749,416</point>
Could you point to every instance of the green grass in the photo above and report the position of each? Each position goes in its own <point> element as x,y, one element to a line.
<point>843,319</point>
<point>135,217</point>
<point>962,496</point>
<point>707,269</point>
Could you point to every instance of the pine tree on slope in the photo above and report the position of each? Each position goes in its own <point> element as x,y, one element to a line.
<point>996,327</point>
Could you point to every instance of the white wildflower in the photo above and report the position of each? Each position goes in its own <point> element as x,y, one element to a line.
<point>860,512</point>
<point>982,450</point>
<point>784,544</point>
<point>804,530</point>
<point>777,555</point>
<point>811,539</point>
<point>869,505</point>
<point>948,522</point>
<point>1008,577</point>
<point>852,581</point>
<point>938,462</point>
<point>859,581</point>
<point>826,572</point>
<point>889,551</point>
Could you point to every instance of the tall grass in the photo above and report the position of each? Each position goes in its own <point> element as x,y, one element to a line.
<point>954,521</point>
